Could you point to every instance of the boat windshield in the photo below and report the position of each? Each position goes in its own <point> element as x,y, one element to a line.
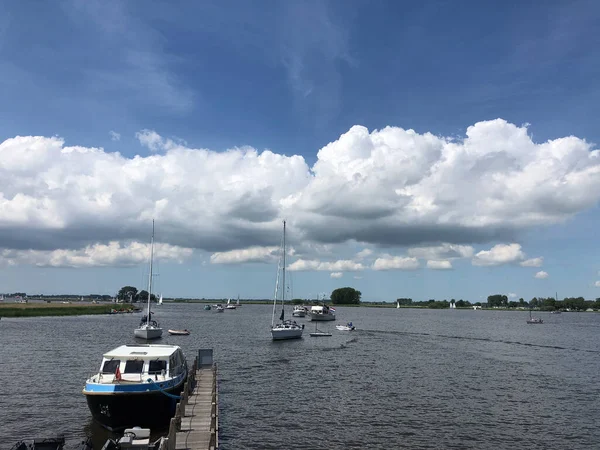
<point>134,366</point>
<point>156,367</point>
<point>111,366</point>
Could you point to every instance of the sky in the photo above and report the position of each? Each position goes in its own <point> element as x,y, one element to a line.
<point>415,149</point>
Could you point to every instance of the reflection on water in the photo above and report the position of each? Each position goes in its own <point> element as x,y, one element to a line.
<point>405,378</point>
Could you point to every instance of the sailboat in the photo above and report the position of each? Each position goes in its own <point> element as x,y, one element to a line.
<point>534,319</point>
<point>148,328</point>
<point>237,303</point>
<point>397,304</point>
<point>160,300</point>
<point>286,329</point>
<point>229,304</point>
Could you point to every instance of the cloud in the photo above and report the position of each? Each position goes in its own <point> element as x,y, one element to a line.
<point>512,295</point>
<point>98,255</point>
<point>365,253</point>
<point>387,188</point>
<point>541,275</point>
<point>252,254</point>
<point>335,266</point>
<point>597,284</point>
<point>336,274</point>
<point>388,262</point>
<point>357,277</point>
<point>439,265</point>
<point>114,136</point>
<point>498,255</point>
<point>533,262</point>
<point>444,251</point>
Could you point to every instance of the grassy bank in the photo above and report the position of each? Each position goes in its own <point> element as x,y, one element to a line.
<point>49,309</point>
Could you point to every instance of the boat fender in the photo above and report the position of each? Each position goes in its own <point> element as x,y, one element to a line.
<point>303,326</point>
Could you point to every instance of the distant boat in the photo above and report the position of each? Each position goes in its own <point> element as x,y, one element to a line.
<point>229,304</point>
<point>219,308</point>
<point>397,304</point>
<point>237,303</point>
<point>322,313</point>
<point>179,332</point>
<point>347,327</point>
<point>286,329</point>
<point>534,319</point>
<point>299,311</point>
<point>148,328</point>
<point>160,300</point>
<point>207,307</point>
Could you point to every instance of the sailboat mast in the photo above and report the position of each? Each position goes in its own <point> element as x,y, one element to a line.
<point>150,275</point>
<point>283,294</point>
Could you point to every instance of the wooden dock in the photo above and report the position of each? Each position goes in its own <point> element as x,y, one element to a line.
<point>196,422</point>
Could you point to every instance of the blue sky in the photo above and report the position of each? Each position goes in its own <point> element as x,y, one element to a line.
<point>180,86</point>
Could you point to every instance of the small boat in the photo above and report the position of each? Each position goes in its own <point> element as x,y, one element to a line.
<point>229,304</point>
<point>534,319</point>
<point>160,300</point>
<point>179,332</point>
<point>286,329</point>
<point>322,313</point>
<point>137,385</point>
<point>219,308</point>
<point>135,438</point>
<point>207,307</point>
<point>299,311</point>
<point>347,327</point>
<point>237,303</point>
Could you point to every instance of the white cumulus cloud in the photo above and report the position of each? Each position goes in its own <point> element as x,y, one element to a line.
<point>439,265</point>
<point>498,255</point>
<point>533,262</point>
<point>329,266</point>
<point>252,254</point>
<point>114,135</point>
<point>387,188</point>
<point>336,274</point>
<point>541,275</point>
<point>388,262</point>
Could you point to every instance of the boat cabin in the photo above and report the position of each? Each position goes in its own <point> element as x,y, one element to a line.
<point>137,363</point>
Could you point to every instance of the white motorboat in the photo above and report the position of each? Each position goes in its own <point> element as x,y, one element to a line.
<point>149,328</point>
<point>322,313</point>
<point>299,311</point>
<point>286,329</point>
<point>137,385</point>
<point>347,327</point>
<point>179,332</point>
<point>219,308</point>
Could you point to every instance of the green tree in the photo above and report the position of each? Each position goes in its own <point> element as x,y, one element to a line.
<point>345,296</point>
<point>143,296</point>
<point>497,300</point>
<point>127,293</point>
<point>404,301</point>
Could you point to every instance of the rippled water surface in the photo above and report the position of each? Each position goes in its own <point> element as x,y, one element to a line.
<point>407,378</point>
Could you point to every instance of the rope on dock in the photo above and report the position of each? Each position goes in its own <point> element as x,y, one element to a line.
<point>176,397</point>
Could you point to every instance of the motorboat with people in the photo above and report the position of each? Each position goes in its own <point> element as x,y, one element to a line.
<point>207,307</point>
<point>137,385</point>
<point>219,308</point>
<point>299,311</point>
<point>348,327</point>
<point>322,313</point>
<point>285,329</point>
<point>179,332</point>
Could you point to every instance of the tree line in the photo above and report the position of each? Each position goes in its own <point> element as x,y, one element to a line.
<point>131,294</point>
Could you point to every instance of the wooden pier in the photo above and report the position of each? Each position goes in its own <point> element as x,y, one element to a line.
<point>195,425</point>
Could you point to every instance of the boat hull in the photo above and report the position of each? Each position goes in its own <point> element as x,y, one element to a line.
<point>321,317</point>
<point>147,409</point>
<point>298,314</point>
<point>285,334</point>
<point>148,333</point>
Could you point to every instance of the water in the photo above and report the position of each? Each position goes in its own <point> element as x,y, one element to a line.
<point>407,378</point>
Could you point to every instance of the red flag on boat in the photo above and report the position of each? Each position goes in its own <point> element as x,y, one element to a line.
<point>118,374</point>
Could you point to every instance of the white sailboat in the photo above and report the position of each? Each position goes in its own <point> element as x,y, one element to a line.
<point>286,329</point>
<point>148,328</point>
<point>397,304</point>
<point>237,303</point>
<point>229,304</point>
<point>160,300</point>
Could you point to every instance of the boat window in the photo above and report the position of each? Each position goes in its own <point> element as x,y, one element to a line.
<point>111,366</point>
<point>157,367</point>
<point>134,366</point>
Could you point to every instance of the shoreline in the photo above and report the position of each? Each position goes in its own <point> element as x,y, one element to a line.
<point>53,309</point>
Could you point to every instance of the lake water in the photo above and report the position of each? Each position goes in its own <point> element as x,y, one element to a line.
<point>406,378</point>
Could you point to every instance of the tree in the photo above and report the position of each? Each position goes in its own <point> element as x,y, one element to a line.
<point>345,296</point>
<point>404,301</point>
<point>497,300</point>
<point>143,296</point>
<point>127,293</point>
